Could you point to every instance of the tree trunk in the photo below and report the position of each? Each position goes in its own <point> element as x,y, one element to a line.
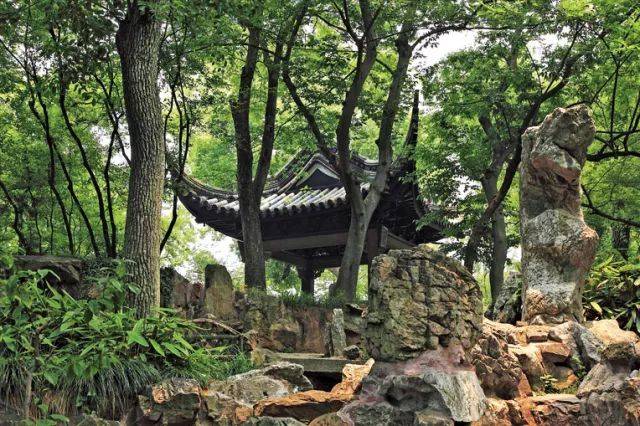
<point>499,239</point>
<point>254,266</point>
<point>138,41</point>
<point>621,239</point>
<point>350,264</point>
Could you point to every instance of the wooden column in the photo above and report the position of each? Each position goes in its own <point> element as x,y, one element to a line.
<point>307,277</point>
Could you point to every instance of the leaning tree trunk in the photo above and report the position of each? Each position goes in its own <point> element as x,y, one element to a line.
<point>138,41</point>
<point>498,237</point>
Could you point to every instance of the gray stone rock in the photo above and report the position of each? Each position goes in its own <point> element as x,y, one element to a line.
<point>280,379</point>
<point>419,300</point>
<point>583,344</point>
<point>558,247</point>
<point>272,421</point>
<point>67,273</point>
<point>219,299</point>
<point>336,333</point>
<point>507,307</point>
<point>352,352</point>
<point>437,385</point>
<point>173,401</point>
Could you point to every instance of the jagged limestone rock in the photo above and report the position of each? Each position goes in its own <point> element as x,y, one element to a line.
<point>420,299</point>
<point>558,247</point>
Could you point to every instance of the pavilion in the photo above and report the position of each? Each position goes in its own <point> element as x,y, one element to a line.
<point>305,213</point>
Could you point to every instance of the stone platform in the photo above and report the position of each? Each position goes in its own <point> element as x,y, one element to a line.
<point>317,362</point>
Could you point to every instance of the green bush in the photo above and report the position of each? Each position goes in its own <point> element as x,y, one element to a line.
<point>613,291</point>
<point>89,355</point>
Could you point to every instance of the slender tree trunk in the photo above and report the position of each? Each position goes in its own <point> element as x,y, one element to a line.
<point>621,239</point>
<point>498,237</point>
<point>138,40</point>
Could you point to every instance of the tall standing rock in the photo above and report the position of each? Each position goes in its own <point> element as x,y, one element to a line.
<point>219,297</point>
<point>558,247</point>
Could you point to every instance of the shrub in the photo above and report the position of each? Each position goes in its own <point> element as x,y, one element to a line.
<point>613,291</point>
<point>89,355</point>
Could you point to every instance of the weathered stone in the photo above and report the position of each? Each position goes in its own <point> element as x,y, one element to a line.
<point>558,247</point>
<point>583,344</point>
<point>285,334</point>
<point>551,410</point>
<point>498,369</point>
<point>352,376</point>
<point>276,380</point>
<point>531,362</point>
<point>437,380</point>
<point>536,333</point>
<point>279,327</point>
<point>418,300</point>
<point>272,421</point>
<point>617,407</point>
<point>67,270</point>
<point>219,297</point>
<point>429,417</point>
<point>609,332</point>
<point>352,352</point>
<point>507,307</point>
<point>619,360</point>
<point>336,340</point>
<point>179,293</point>
<point>554,352</point>
<point>171,402</point>
<point>500,413</point>
<point>565,377</point>
<point>304,406</point>
<point>224,410</point>
<point>329,419</point>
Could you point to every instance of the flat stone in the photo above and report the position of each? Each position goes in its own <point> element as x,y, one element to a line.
<point>304,406</point>
<point>316,363</point>
<point>554,352</point>
<point>609,332</point>
<point>537,333</point>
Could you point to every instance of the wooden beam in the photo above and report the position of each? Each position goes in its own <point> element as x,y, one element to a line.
<point>291,258</point>
<point>309,241</point>
<point>396,242</point>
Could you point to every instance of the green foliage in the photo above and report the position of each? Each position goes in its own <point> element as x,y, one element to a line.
<point>84,355</point>
<point>548,383</point>
<point>613,291</point>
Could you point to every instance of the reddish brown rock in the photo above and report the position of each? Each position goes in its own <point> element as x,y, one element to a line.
<point>500,413</point>
<point>609,332</point>
<point>498,369</point>
<point>531,362</point>
<point>536,333</point>
<point>352,375</point>
<point>554,352</point>
<point>551,410</point>
<point>304,406</point>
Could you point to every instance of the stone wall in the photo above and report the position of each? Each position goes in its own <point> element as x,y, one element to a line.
<point>558,247</point>
<point>420,300</point>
